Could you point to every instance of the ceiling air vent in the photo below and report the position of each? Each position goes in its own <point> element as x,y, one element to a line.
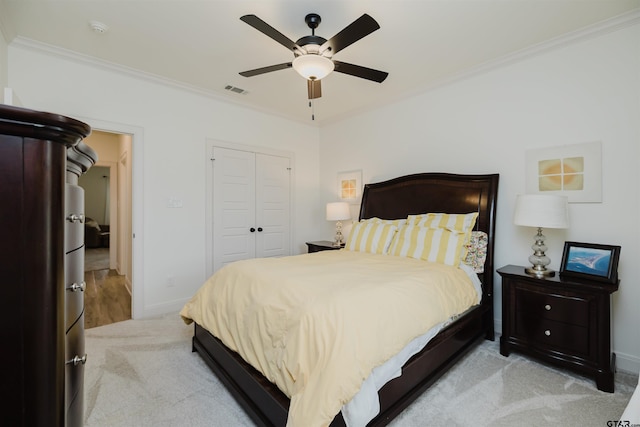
<point>236,89</point>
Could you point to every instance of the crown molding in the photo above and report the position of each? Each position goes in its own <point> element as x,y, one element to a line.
<point>88,60</point>
<point>599,29</point>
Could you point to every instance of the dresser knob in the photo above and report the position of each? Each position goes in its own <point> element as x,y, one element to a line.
<point>77,360</point>
<point>77,287</point>
<point>547,307</point>
<point>73,218</point>
<point>547,333</point>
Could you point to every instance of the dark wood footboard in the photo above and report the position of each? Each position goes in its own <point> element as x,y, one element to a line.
<point>268,406</point>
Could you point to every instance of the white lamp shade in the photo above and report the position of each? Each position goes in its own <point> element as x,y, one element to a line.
<point>542,210</point>
<point>338,211</point>
<point>312,66</point>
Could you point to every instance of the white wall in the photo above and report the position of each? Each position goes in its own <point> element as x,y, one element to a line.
<point>4,60</point>
<point>586,91</point>
<point>171,127</point>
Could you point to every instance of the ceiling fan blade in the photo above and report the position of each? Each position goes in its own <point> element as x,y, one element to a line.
<point>359,71</point>
<point>314,89</point>
<point>269,31</point>
<point>257,71</point>
<point>353,32</point>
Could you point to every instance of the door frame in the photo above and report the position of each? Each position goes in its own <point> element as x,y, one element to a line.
<point>138,309</point>
<point>209,144</point>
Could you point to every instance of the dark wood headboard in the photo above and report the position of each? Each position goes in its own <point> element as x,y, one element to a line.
<point>438,192</point>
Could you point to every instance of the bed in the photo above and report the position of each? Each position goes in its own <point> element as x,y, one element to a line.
<point>396,198</point>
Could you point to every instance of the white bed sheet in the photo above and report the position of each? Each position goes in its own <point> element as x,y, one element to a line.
<point>365,405</point>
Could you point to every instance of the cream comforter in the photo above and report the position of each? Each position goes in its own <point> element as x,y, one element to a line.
<point>317,324</point>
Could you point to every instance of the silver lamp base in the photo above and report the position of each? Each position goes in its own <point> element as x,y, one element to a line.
<point>339,238</point>
<point>540,272</point>
<point>539,259</point>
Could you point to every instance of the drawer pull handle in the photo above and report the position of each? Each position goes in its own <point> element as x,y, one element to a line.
<point>77,287</point>
<point>73,218</point>
<point>77,360</point>
<point>547,333</point>
<point>547,307</point>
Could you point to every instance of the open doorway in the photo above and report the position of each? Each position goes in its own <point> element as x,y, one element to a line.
<point>108,241</point>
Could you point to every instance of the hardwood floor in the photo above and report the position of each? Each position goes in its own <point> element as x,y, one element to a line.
<point>106,299</point>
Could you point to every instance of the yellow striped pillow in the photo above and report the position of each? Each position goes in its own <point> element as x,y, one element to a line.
<point>458,222</point>
<point>369,236</point>
<point>430,244</point>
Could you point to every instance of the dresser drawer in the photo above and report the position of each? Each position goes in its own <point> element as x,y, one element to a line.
<point>74,218</point>
<point>568,309</point>
<point>74,286</point>
<point>547,333</point>
<point>74,364</point>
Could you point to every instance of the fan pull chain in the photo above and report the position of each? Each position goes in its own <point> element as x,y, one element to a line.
<point>311,105</point>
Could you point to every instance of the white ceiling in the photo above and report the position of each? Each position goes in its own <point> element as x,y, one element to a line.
<point>202,44</point>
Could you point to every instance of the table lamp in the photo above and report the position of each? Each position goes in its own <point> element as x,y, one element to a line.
<point>338,211</point>
<point>541,211</point>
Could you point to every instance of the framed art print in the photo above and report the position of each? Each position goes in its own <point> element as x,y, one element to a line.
<point>350,186</point>
<point>572,170</point>
<point>590,261</point>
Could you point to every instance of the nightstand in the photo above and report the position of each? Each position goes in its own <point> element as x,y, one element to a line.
<point>561,320</point>
<point>322,245</point>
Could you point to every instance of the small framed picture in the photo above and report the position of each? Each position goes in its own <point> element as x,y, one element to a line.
<point>590,261</point>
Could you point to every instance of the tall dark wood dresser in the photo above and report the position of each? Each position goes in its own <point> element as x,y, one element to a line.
<point>42,253</point>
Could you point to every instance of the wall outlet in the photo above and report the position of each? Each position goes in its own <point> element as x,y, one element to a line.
<point>173,202</point>
<point>171,281</point>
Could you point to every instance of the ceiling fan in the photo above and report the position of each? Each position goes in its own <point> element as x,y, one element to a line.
<point>313,54</point>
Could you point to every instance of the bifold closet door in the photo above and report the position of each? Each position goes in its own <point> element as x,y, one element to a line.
<point>272,206</point>
<point>251,206</point>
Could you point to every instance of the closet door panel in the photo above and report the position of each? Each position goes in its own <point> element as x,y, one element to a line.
<point>233,206</point>
<point>273,205</point>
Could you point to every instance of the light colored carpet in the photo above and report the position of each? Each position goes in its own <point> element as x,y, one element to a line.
<point>143,373</point>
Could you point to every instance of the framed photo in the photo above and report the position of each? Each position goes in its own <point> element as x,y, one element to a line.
<point>590,261</point>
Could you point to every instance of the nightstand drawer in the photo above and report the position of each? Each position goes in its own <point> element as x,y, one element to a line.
<point>573,309</point>
<point>550,333</point>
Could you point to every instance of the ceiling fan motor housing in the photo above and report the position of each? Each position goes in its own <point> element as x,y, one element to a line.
<point>311,44</point>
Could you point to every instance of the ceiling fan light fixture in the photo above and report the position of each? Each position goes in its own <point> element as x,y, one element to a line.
<point>313,66</point>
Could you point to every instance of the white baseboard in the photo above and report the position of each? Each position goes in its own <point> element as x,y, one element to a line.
<point>164,308</point>
<point>627,363</point>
